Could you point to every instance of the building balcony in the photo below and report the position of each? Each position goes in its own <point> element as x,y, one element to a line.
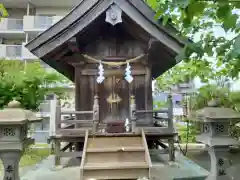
<point>11,28</point>
<point>14,52</point>
<point>10,25</point>
<point>38,24</point>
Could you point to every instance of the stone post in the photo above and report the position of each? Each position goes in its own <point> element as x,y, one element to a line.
<point>14,123</point>
<point>215,135</point>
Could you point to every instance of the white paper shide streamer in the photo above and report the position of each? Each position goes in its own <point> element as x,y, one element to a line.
<point>101,77</point>
<point>128,73</point>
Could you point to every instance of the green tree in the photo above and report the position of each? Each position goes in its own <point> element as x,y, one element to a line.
<point>194,16</point>
<point>27,84</point>
<point>3,11</point>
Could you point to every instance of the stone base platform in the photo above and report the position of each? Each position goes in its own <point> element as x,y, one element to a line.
<point>182,169</point>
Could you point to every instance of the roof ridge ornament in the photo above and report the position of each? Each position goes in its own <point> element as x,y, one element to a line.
<point>114,15</point>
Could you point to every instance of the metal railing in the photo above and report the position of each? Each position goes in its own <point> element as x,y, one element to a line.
<point>15,24</point>
<point>14,51</point>
<point>11,24</point>
<point>43,22</point>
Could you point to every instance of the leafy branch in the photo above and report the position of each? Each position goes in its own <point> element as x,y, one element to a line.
<point>209,53</point>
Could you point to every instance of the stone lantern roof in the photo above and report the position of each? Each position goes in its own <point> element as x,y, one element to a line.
<point>14,114</point>
<point>214,113</point>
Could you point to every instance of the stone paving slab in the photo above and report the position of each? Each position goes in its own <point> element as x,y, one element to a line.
<point>47,171</point>
<point>182,169</point>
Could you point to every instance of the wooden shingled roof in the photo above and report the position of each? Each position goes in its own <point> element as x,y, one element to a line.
<point>163,47</point>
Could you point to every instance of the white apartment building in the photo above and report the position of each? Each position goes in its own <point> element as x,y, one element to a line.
<point>27,19</point>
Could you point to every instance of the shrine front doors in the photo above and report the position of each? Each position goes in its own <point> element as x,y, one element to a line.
<point>114,99</point>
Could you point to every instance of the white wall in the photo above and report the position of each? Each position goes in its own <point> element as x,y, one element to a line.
<point>236,85</point>
<point>16,13</point>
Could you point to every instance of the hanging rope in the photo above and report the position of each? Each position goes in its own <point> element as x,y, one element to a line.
<point>113,63</point>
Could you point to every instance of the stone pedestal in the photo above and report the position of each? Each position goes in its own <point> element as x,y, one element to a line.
<point>219,163</point>
<point>11,164</point>
<point>215,135</point>
<point>13,137</point>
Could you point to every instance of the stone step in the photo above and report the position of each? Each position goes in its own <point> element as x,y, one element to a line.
<point>115,165</point>
<point>106,174</point>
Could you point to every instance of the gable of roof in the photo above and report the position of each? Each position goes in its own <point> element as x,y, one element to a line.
<point>53,40</point>
<point>87,11</point>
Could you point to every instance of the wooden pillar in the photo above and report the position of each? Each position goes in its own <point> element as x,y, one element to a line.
<point>80,100</point>
<point>54,117</point>
<point>133,114</point>
<point>171,149</point>
<point>57,152</point>
<point>77,91</point>
<point>57,143</point>
<point>95,114</point>
<point>170,113</point>
<point>171,128</point>
<point>148,94</point>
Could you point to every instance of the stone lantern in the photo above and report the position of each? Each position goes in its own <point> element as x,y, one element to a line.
<point>13,137</point>
<point>215,122</point>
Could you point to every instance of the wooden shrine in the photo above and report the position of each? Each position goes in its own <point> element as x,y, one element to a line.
<point>111,50</point>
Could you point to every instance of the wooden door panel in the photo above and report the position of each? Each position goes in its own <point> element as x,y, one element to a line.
<point>111,89</point>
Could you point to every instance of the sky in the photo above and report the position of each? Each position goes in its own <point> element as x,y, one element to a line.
<point>218,32</point>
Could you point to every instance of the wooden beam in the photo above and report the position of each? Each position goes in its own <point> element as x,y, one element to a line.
<point>62,67</point>
<point>112,59</point>
<point>162,63</point>
<point>61,54</point>
<point>76,121</point>
<point>75,60</point>
<point>58,53</point>
<point>135,30</point>
<point>68,146</point>
<point>84,154</point>
<point>76,112</point>
<point>71,154</point>
<point>72,46</point>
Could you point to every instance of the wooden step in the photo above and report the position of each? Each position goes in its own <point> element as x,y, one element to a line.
<point>110,166</point>
<point>105,174</point>
<point>116,149</point>
<point>115,157</point>
<point>110,142</point>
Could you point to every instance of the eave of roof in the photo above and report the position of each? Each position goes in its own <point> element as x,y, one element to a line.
<point>67,27</point>
<point>130,7</point>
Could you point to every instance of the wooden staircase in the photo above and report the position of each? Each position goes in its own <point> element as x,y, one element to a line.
<point>115,157</point>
